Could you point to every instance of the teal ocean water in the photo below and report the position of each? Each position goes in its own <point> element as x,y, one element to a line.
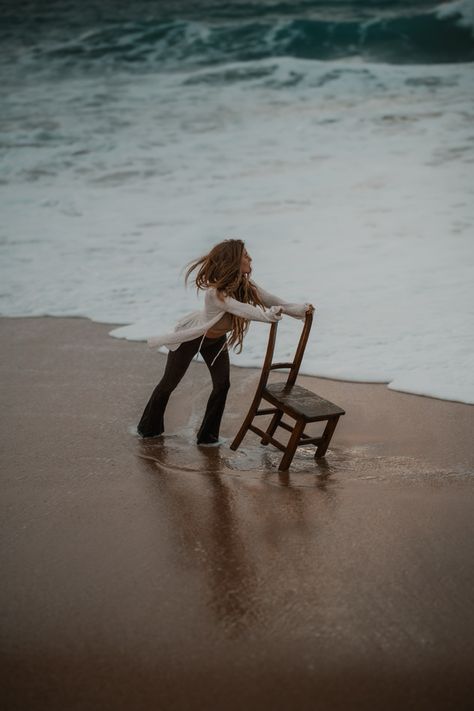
<point>94,36</point>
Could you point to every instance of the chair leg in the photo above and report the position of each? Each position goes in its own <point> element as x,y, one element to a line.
<point>275,421</point>
<point>326,438</point>
<point>245,425</point>
<point>292,445</point>
<point>240,435</point>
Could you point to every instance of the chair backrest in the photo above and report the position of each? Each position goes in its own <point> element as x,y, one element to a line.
<point>294,366</point>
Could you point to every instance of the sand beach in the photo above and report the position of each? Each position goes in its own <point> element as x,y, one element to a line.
<point>159,575</point>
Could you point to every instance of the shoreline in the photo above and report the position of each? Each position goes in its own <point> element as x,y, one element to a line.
<point>158,574</point>
<point>377,416</point>
<point>112,326</point>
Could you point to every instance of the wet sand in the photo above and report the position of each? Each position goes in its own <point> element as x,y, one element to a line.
<point>159,575</point>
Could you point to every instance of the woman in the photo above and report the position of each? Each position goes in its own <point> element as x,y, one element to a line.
<point>232,300</point>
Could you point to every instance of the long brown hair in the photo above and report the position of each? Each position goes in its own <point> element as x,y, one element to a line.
<point>220,268</point>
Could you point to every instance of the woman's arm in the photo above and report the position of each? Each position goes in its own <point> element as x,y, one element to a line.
<point>238,308</point>
<point>252,313</point>
<point>290,309</point>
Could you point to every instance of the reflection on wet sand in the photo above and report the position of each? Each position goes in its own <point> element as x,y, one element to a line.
<point>210,533</point>
<point>248,550</point>
<point>203,503</point>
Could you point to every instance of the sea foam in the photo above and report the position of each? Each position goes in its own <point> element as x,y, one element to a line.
<point>350,182</point>
<point>461,10</point>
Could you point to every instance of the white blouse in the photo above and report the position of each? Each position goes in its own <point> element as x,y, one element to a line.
<point>197,323</point>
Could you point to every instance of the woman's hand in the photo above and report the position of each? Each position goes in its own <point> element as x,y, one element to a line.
<point>274,313</point>
<point>310,308</point>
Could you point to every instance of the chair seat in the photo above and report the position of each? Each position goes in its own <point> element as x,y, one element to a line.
<point>301,402</point>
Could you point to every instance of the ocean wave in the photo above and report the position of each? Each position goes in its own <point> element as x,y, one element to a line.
<point>440,36</point>
<point>417,35</point>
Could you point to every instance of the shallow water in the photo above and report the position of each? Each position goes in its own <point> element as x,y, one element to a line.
<point>177,453</point>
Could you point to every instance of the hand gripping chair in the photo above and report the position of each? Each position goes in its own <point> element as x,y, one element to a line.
<point>290,399</point>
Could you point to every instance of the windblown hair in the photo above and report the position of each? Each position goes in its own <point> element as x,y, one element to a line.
<point>220,268</point>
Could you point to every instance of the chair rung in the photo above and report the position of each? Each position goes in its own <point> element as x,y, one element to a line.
<point>275,366</point>
<point>309,440</point>
<point>260,432</point>
<point>286,426</point>
<point>267,411</point>
<point>305,439</point>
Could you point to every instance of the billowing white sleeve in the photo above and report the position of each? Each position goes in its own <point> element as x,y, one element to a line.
<point>252,313</point>
<point>290,309</point>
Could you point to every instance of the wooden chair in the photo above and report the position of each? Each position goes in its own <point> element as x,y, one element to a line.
<point>288,398</point>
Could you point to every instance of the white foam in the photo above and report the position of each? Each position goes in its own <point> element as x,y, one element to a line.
<point>464,9</point>
<point>352,187</point>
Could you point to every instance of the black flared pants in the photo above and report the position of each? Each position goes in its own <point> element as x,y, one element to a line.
<point>152,420</point>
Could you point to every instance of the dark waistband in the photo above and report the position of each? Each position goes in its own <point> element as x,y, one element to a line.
<point>216,338</point>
